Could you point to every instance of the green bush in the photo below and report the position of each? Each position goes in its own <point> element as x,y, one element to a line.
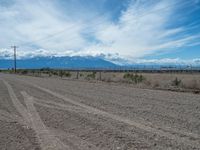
<point>25,72</point>
<point>55,73</point>
<point>45,69</point>
<point>81,75</point>
<point>22,72</point>
<point>67,74</point>
<point>11,71</point>
<point>91,76</point>
<point>134,77</point>
<point>61,73</point>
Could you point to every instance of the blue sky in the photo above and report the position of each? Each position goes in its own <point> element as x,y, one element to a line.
<point>129,29</point>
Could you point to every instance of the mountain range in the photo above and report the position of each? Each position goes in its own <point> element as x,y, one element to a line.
<point>91,62</point>
<point>58,62</point>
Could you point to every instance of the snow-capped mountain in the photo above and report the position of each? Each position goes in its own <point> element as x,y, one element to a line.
<point>58,62</point>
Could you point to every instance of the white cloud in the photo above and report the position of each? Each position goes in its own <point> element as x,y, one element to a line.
<point>114,58</point>
<point>8,53</point>
<point>165,61</point>
<point>168,61</point>
<point>141,29</point>
<point>30,22</point>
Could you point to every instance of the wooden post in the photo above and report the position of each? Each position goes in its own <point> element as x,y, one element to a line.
<point>100,75</point>
<point>77,75</point>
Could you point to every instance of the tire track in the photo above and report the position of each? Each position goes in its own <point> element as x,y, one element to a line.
<point>48,140</point>
<point>5,116</point>
<point>58,106</point>
<point>156,130</point>
<point>55,105</point>
<point>80,144</point>
<point>20,108</point>
<point>32,118</point>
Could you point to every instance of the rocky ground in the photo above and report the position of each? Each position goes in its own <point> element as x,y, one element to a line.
<point>49,113</point>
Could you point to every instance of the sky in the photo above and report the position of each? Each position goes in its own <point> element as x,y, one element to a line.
<point>128,29</point>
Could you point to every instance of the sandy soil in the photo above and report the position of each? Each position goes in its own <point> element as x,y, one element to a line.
<point>48,113</point>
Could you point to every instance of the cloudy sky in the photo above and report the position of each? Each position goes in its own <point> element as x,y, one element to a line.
<point>142,29</point>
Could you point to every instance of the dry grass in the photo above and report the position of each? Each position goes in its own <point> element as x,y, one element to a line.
<point>166,81</point>
<point>160,80</point>
<point>190,81</point>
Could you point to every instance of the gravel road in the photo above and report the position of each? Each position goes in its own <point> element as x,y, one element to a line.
<point>55,114</point>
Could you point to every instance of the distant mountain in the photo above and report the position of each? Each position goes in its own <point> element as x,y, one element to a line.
<point>86,62</point>
<point>58,62</point>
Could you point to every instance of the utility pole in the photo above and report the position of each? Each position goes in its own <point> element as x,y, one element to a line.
<point>15,57</point>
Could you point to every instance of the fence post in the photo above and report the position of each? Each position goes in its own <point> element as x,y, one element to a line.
<point>100,75</point>
<point>77,74</point>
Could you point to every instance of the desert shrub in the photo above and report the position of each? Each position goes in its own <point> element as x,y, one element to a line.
<point>156,84</point>
<point>23,71</point>
<point>55,73</point>
<point>45,69</point>
<point>148,83</point>
<point>38,73</point>
<point>67,74</point>
<point>91,76</point>
<point>81,74</point>
<point>61,73</point>
<point>11,71</point>
<point>32,71</point>
<point>134,77</point>
<point>176,82</point>
<point>19,71</point>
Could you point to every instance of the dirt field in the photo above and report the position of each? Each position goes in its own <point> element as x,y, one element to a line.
<point>55,114</point>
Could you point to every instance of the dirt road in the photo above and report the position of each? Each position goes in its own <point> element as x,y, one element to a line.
<point>55,114</point>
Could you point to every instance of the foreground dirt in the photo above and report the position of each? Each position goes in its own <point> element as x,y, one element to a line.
<point>42,113</point>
